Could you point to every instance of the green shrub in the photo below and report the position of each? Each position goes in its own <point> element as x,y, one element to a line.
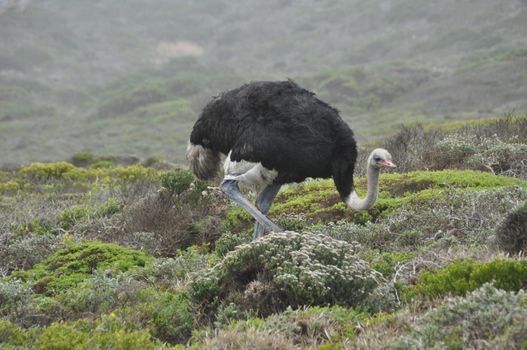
<point>453,150</point>
<point>228,242</point>
<point>180,180</point>
<point>167,272</point>
<point>512,233</point>
<point>46,171</point>
<point>82,159</point>
<point>37,226</point>
<point>488,318</point>
<point>166,315</point>
<point>176,181</point>
<point>386,262</point>
<point>289,269</point>
<point>76,213</point>
<point>27,250</point>
<point>15,300</point>
<point>10,187</point>
<point>99,293</point>
<point>11,334</point>
<point>170,316</point>
<point>69,266</point>
<point>312,327</point>
<point>86,335</point>
<point>462,277</point>
<point>71,216</point>
<point>103,164</point>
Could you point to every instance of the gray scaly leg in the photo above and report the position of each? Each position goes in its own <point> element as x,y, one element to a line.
<point>263,203</point>
<point>230,187</point>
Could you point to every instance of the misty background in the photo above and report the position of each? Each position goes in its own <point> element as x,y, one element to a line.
<point>130,77</point>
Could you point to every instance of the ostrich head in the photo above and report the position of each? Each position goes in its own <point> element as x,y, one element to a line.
<point>380,158</point>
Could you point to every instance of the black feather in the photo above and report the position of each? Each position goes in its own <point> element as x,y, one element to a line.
<point>283,126</point>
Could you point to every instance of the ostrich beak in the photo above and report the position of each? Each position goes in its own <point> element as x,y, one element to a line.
<point>387,164</point>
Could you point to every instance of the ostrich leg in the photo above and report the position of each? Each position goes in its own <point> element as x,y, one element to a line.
<point>230,187</point>
<point>263,203</point>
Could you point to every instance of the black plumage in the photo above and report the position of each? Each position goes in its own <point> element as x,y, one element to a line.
<point>282,126</point>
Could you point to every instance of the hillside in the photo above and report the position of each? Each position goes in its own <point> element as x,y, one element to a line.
<point>109,78</point>
<point>100,255</point>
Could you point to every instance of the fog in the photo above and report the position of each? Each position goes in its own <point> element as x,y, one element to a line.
<point>130,77</point>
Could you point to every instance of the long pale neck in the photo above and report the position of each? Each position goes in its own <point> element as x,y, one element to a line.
<point>367,202</point>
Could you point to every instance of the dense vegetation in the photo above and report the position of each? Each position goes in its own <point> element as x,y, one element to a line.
<point>102,253</point>
<point>102,249</point>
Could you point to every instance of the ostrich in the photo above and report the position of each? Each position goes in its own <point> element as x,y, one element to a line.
<point>273,133</point>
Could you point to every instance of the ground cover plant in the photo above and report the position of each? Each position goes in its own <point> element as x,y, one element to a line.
<point>106,252</point>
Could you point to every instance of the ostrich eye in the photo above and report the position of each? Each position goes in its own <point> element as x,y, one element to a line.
<point>377,158</point>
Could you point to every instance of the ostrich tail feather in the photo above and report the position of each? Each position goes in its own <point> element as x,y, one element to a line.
<point>203,162</point>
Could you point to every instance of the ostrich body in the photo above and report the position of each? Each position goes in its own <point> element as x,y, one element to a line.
<point>273,133</point>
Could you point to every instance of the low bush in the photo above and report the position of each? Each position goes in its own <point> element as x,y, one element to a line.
<point>27,250</point>
<point>14,298</point>
<point>39,172</point>
<point>229,241</point>
<point>177,181</point>
<point>478,145</point>
<point>100,293</point>
<point>462,277</point>
<point>76,213</point>
<point>176,221</point>
<point>170,316</point>
<point>487,318</point>
<point>80,334</point>
<point>69,266</point>
<point>512,232</point>
<point>11,335</point>
<point>288,269</point>
<point>166,273</point>
<point>83,159</point>
<point>312,327</point>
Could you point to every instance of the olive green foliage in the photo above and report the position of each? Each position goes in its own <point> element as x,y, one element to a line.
<point>45,171</point>
<point>168,316</point>
<point>77,213</point>
<point>229,241</point>
<point>487,318</point>
<point>180,180</point>
<point>512,233</point>
<point>71,265</point>
<point>65,177</point>
<point>77,335</point>
<point>320,202</point>
<point>312,327</point>
<point>462,277</point>
<point>289,269</point>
